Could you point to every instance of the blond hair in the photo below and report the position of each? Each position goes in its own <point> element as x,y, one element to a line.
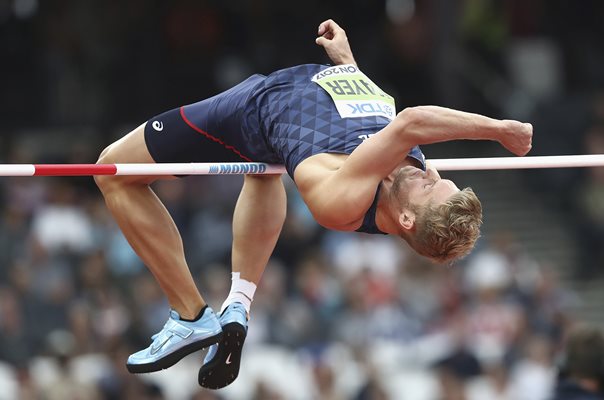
<point>448,231</point>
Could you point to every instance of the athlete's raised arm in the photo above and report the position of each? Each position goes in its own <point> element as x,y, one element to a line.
<point>335,42</point>
<point>344,195</point>
<point>381,153</point>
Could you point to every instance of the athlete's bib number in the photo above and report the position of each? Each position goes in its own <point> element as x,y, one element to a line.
<point>354,94</point>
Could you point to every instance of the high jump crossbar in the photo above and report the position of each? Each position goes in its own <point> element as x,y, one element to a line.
<point>448,164</point>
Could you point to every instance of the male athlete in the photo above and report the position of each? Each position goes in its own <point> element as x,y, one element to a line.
<point>354,160</point>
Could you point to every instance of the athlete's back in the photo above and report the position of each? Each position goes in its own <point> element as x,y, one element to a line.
<point>299,117</point>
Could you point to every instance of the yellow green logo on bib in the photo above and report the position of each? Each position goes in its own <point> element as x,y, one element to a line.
<point>354,94</point>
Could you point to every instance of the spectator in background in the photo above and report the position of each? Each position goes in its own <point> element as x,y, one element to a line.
<point>532,377</point>
<point>582,371</point>
<point>61,224</point>
<point>590,206</point>
<point>454,372</point>
<point>65,385</point>
<point>493,320</point>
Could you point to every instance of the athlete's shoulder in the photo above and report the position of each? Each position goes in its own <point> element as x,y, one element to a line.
<point>336,202</point>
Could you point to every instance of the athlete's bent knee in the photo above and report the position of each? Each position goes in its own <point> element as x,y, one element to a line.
<point>102,180</point>
<point>115,154</point>
<point>109,182</point>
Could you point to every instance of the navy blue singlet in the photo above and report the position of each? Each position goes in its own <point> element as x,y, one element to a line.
<point>282,118</point>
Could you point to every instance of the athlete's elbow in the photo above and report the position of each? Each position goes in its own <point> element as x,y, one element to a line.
<point>411,123</point>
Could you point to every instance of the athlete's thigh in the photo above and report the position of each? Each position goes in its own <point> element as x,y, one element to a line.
<point>130,148</point>
<point>261,181</point>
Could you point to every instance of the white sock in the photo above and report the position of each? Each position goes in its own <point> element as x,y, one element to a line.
<point>242,291</point>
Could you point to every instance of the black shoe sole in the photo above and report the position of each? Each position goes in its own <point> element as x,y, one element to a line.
<point>217,374</point>
<point>173,358</point>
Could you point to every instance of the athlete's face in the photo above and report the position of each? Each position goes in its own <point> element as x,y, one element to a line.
<point>418,188</point>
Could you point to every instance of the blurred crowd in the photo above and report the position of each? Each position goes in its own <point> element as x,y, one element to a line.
<point>337,316</point>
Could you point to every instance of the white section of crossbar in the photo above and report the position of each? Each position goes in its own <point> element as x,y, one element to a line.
<point>467,164</point>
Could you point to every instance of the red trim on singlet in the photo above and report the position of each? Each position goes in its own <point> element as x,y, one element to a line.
<point>206,134</point>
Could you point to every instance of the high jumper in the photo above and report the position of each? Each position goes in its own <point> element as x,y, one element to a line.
<point>354,159</point>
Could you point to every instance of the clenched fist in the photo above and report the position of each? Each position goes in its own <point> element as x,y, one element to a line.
<point>333,39</point>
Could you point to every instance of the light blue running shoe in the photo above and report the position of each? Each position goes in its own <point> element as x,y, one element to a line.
<point>177,339</point>
<point>221,365</point>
